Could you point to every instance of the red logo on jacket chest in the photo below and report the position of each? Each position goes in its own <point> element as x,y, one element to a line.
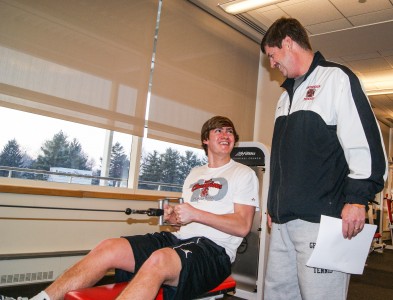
<point>311,90</point>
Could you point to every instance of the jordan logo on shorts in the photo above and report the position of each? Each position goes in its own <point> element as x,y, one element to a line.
<point>186,252</point>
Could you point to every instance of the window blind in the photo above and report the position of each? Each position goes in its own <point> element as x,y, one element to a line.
<point>81,61</point>
<point>203,68</point>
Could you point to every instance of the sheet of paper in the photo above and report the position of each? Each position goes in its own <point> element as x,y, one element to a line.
<point>333,252</point>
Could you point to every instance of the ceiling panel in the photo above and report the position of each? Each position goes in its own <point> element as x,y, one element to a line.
<point>355,7</point>
<point>334,25</point>
<point>362,56</point>
<point>268,16</point>
<point>308,12</point>
<point>372,64</point>
<point>374,17</point>
<point>389,60</point>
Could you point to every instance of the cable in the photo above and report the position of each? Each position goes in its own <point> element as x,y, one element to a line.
<point>150,212</point>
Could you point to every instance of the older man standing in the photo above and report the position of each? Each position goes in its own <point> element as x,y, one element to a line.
<point>327,159</point>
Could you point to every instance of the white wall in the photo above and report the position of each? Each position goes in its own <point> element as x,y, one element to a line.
<point>46,230</point>
<point>269,90</point>
<point>25,230</point>
<point>386,132</point>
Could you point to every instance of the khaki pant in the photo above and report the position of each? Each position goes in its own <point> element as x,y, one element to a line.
<point>288,277</point>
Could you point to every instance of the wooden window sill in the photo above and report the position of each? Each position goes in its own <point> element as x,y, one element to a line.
<point>119,195</point>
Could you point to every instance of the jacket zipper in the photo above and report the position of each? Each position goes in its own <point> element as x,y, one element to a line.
<point>279,157</point>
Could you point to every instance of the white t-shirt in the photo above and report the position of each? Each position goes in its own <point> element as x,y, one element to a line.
<point>215,190</point>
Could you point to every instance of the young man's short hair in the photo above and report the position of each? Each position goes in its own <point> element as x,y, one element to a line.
<point>213,123</point>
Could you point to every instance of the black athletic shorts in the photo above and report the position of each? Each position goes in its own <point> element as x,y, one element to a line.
<point>204,264</point>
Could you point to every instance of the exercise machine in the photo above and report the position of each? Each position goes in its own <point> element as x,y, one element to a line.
<point>389,206</point>
<point>374,217</point>
<point>250,265</point>
<point>111,291</point>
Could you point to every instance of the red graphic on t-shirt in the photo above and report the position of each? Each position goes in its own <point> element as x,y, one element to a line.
<point>205,187</point>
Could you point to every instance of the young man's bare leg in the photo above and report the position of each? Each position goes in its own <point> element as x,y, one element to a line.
<point>163,266</point>
<point>109,254</point>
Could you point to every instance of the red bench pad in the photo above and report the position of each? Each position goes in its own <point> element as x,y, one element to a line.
<point>111,291</point>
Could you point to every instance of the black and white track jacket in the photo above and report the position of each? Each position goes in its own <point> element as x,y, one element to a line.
<point>327,148</point>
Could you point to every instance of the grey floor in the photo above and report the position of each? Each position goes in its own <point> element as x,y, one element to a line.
<point>377,279</point>
<point>376,283</point>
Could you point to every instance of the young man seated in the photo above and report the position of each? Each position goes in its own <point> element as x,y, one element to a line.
<point>220,201</point>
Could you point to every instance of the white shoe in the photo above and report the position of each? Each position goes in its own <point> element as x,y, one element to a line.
<point>10,298</point>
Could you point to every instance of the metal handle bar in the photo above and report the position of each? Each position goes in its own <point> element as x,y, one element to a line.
<point>162,203</point>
